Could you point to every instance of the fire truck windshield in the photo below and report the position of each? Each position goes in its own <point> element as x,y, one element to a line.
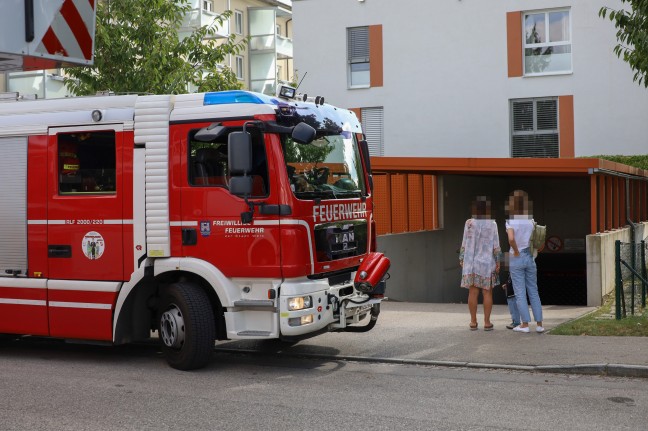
<point>328,168</point>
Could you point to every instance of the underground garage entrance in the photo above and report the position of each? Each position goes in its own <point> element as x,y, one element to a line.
<point>572,197</point>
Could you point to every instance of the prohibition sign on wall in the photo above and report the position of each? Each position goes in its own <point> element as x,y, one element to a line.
<point>554,243</point>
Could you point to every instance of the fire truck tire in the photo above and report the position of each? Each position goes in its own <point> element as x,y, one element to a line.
<point>186,326</point>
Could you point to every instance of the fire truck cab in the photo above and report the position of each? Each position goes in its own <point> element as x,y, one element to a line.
<point>193,218</point>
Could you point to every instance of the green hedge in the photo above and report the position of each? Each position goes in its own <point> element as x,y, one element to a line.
<point>636,161</point>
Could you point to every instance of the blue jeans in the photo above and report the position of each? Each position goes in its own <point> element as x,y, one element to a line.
<point>513,309</point>
<point>525,282</point>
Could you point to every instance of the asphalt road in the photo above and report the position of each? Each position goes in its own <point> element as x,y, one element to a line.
<point>47,385</point>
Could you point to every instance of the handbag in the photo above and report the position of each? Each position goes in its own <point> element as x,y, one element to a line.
<point>510,293</point>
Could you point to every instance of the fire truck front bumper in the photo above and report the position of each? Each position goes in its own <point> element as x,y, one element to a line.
<point>313,306</point>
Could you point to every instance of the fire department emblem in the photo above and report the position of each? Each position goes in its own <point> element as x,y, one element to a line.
<point>93,245</point>
<point>205,228</point>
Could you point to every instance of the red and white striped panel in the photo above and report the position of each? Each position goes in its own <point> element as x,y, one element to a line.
<point>70,32</point>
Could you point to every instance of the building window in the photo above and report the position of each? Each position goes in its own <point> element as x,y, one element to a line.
<point>239,67</point>
<point>547,42</point>
<point>534,128</point>
<point>358,57</point>
<point>372,126</point>
<point>208,5</point>
<point>238,22</point>
<point>278,29</point>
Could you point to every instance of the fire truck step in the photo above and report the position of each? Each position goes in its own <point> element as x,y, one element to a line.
<point>254,303</point>
<point>254,333</point>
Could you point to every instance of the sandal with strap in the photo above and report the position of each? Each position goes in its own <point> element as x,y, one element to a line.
<point>488,328</point>
<point>473,326</point>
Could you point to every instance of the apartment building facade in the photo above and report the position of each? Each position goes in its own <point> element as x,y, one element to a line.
<point>468,78</point>
<point>268,58</point>
<point>462,98</point>
<point>266,61</point>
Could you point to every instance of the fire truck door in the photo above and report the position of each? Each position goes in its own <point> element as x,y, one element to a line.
<point>212,227</point>
<point>86,192</point>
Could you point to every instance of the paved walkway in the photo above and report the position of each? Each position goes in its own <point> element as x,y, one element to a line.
<point>438,334</point>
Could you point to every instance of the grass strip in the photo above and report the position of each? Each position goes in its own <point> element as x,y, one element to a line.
<point>602,323</point>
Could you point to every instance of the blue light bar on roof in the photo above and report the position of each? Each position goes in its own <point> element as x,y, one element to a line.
<point>237,96</point>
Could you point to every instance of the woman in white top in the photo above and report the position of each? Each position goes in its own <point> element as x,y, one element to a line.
<point>524,273</point>
<point>479,259</point>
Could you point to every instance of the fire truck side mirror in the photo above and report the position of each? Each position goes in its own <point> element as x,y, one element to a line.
<point>239,158</point>
<point>240,186</point>
<point>239,153</point>
<point>303,134</point>
<point>210,133</point>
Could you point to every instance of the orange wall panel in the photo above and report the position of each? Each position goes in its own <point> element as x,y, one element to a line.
<point>601,203</point>
<point>399,205</point>
<point>382,204</point>
<point>375,56</point>
<point>514,43</point>
<point>566,126</point>
<point>624,214</point>
<point>429,202</point>
<point>609,205</point>
<point>593,203</point>
<point>358,112</point>
<point>415,202</point>
<point>617,203</point>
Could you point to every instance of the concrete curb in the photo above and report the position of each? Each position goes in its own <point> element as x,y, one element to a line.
<point>615,370</point>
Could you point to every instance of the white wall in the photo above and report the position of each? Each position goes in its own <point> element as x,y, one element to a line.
<point>446,91</point>
<point>601,261</point>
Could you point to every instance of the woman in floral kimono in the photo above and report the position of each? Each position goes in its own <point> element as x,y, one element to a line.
<point>479,259</point>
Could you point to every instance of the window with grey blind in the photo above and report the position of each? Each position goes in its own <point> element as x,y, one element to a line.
<point>372,125</point>
<point>358,56</point>
<point>534,128</point>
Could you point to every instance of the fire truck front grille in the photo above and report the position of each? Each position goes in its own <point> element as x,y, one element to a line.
<point>340,240</point>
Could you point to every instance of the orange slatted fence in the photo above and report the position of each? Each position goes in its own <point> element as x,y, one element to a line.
<point>405,202</point>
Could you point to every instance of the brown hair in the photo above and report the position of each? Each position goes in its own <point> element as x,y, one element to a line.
<point>481,207</point>
<point>518,203</point>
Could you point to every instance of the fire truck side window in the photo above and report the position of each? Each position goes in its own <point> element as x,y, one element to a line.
<point>208,163</point>
<point>86,162</point>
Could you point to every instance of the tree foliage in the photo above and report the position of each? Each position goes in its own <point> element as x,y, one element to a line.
<point>138,49</point>
<point>632,36</point>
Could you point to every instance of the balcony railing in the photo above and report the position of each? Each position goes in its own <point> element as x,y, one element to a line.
<point>199,17</point>
<point>268,42</point>
<point>284,47</point>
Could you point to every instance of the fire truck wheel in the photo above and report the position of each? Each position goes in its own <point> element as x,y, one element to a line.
<point>186,326</point>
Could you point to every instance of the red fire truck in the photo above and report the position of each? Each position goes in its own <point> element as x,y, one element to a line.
<point>193,218</point>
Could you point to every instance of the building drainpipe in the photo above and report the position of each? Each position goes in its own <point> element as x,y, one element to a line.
<point>229,8</point>
<point>287,60</point>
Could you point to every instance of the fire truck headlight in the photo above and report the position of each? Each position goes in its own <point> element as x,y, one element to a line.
<point>300,303</point>
<point>299,321</point>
